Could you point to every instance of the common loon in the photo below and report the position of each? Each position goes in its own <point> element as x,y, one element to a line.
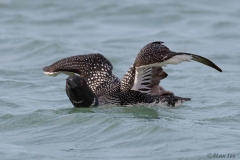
<point>95,84</point>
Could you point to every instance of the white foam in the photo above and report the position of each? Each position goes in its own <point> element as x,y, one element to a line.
<point>179,103</point>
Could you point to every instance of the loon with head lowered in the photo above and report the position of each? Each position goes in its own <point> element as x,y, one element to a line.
<point>91,82</point>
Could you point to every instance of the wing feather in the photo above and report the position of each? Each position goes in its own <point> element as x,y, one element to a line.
<point>94,68</point>
<point>147,68</point>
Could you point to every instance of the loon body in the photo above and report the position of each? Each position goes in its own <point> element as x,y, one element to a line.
<point>140,85</point>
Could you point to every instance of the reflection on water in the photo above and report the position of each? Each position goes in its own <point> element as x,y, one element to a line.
<point>143,112</point>
<point>72,110</point>
<point>140,112</point>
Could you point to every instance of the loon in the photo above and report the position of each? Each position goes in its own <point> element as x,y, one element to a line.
<point>91,82</point>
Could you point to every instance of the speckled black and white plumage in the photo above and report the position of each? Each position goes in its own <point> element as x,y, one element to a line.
<point>146,72</point>
<point>140,85</point>
<point>132,98</point>
<point>81,95</point>
<point>128,79</point>
<point>94,68</point>
<point>154,53</point>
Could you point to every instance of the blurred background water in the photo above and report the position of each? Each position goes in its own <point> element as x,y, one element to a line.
<point>37,121</point>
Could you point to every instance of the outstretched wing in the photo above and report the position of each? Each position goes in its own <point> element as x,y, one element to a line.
<point>147,72</point>
<point>94,68</point>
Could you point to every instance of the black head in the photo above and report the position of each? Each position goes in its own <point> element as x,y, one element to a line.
<point>78,91</point>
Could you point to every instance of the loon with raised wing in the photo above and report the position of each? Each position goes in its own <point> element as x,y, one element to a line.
<point>91,82</point>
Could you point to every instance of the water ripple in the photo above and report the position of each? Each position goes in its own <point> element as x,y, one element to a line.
<point>37,121</point>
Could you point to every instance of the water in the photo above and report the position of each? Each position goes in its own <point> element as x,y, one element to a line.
<point>37,121</point>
